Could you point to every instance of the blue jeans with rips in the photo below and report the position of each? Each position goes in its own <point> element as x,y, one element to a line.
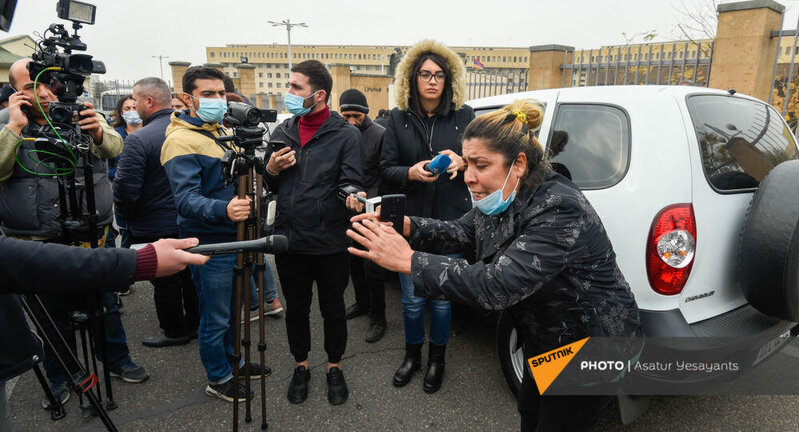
<point>413,315</point>
<point>214,283</point>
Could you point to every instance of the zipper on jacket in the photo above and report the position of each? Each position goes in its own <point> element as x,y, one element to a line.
<point>428,134</point>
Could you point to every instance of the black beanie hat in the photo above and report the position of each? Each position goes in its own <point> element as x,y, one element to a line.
<point>353,100</point>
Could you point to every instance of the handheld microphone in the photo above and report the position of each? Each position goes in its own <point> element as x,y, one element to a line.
<point>272,244</point>
<point>438,165</point>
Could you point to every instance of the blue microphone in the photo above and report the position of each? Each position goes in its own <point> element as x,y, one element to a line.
<point>438,165</point>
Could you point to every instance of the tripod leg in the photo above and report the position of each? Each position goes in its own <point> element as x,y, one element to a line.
<point>57,411</point>
<point>99,319</point>
<point>260,267</point>
<point>80,380</point>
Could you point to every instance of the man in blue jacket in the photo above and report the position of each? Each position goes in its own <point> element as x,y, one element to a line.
<point>143,198</point>
<point>209,210</point>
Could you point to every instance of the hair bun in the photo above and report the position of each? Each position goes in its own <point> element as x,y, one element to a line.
<point>528,112</point>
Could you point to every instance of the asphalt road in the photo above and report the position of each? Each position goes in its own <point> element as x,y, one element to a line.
<point>474,397</point>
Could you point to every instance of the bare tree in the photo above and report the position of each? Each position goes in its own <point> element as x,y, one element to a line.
<point>697,20</point>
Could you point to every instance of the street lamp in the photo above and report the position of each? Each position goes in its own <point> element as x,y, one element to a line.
<point>161,63</point>
<point>288,24</point>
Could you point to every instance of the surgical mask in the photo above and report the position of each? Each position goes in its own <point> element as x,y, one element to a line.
<point>211,110</point>
<point>493,204</point>
<point>132,118</point>
<point>295,104</point>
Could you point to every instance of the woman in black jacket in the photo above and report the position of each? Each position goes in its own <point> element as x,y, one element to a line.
<point>542,255</point>
<point>428,120</point>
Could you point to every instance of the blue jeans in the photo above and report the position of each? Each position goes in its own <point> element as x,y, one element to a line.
<point>270,289</point>
<point>413,315</point>
<point>214,283</point>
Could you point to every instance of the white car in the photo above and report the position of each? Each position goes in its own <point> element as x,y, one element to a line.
<point>671,172</point>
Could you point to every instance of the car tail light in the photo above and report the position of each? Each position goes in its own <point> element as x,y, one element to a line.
<point>670,249</point>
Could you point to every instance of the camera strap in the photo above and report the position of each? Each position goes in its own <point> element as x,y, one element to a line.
<point>216,140</point>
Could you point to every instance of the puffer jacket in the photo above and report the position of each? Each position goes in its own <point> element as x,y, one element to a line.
<point>547,260</point>
<point>29,200</point>
<point>310,213</point>
<point>192,162</point>
<point>409,139</point>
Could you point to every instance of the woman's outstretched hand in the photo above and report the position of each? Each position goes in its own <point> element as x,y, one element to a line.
<point>383,244</point>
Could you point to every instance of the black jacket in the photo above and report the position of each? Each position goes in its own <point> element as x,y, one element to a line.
<point>142,194</point>
<point>406,142</point>
<point>310,212</point>
<point>28,267</point>
<point>547,260</point>
<point>372,139</point>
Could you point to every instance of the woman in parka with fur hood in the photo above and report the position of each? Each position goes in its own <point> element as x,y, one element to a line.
<point>429,119</point>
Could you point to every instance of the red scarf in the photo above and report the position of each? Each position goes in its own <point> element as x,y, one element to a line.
<point>310,123</point>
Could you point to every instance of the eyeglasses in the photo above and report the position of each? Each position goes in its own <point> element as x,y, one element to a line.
<point>426,76</point>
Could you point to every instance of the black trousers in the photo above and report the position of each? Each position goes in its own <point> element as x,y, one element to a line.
<point>175,298</point>
<point>297,273</point>
<point>368,281</point>
<point>556,413</point>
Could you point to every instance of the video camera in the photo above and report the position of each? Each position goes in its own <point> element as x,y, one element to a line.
<point>248,134</point>
<point>54,64</point>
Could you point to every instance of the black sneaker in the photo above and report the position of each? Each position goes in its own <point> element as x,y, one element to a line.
<point>376,331</point>
<point>337,392</point>
<point>60,391</point>
<point>162,340</point>
<point>255,371</point>
<point>355,311</point>
<point>226,391</point>
<point>131,373</point>
<point>298,389</point>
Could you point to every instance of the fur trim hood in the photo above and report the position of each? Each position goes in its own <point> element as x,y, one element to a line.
<point>454,61</point>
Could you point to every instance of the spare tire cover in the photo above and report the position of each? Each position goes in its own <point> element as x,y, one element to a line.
<point>768,258</point>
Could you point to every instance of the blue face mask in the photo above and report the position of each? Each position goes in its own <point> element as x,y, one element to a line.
<point>211,110</point>
<point>295,104</point>
<point>493,204</point>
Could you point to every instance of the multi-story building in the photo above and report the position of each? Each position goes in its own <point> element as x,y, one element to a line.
<point>272,63</point>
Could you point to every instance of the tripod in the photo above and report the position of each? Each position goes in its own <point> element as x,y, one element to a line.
<point>245,168</point>
<point>74,221</point>
<point>81,380</point>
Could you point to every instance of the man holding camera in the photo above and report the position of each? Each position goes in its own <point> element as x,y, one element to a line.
<point>143,198</point>
<point>367,277</point>
<point>322,152</point>
<point>29,205</point>
<point>208,210</point>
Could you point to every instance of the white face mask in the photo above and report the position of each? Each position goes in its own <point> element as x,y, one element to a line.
<point>132,118</point>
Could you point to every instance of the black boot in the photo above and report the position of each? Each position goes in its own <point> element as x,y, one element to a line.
<point>412,363</point>
<point>435,368</point>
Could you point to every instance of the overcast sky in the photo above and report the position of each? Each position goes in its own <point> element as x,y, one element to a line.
<point>128,33</point>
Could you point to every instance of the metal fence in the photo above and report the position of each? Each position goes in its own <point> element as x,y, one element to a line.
<point>628,66</point>
<point>104,94</point>
<point>484,83</point>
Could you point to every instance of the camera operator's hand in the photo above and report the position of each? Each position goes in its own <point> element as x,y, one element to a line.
<point>280,160</point>
<point>90,122</point>
<point>239,209</point>
<point>172,258</point>
<point>418,173</point>
<point>353,204</point>
<point>17,119</point>
<point>375,217</point>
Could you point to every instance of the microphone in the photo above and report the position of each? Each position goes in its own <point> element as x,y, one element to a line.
<point>438,165</point>
<point>271,244</point>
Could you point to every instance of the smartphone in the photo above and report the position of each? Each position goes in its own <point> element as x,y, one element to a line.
<point>392,209</point>
<point>277,145</point>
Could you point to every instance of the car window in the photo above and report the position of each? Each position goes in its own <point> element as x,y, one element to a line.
<point>590,144</point>
<point>740,140</point>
